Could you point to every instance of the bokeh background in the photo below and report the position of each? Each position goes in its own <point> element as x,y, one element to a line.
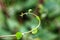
<point>11,21</point>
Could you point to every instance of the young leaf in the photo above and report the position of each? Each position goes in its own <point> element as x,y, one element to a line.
<point>34,31</point>
<point>18,35</point>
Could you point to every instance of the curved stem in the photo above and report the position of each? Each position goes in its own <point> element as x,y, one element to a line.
<point>24,32</point>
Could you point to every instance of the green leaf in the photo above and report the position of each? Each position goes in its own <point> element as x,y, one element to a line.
<point>18,35</point>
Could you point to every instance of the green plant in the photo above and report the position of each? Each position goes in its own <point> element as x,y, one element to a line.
<point>34,30</point>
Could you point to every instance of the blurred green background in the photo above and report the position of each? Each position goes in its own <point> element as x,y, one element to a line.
<point>11,21</point>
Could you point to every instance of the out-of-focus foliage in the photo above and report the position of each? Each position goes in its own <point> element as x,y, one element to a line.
<point>11,21</point>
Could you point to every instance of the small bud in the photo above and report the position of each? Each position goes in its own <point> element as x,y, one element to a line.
<point>30,10</point>
<point>34,31</point>
<point>22,14</point>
